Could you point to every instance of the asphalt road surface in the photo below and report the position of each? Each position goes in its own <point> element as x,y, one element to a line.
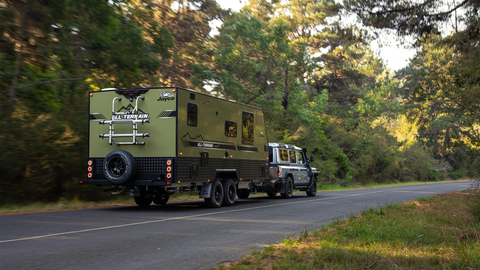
<point>181,235</point>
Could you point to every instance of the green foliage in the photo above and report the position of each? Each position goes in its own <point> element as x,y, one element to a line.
<point>318,82</point>
<point>44,84</point>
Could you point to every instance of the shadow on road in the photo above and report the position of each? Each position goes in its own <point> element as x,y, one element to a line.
<point>196,205</point>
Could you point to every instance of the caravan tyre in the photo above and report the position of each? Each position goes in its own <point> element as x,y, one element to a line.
<point>243,193</point>
<point>271,194</point>
<point>216,195</point>
<point>161,199</point>
<point>143,201</point>
<point>230,193</point>
<point>119,166</point>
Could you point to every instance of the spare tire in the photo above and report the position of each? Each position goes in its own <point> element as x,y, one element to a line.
<point>119,167</point>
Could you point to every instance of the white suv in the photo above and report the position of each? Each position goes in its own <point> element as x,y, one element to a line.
<point>289,169</point>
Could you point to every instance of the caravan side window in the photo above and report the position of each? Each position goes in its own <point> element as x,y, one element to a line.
<point>192,114</point>
<point>247,128</point>
<point>230,129</point>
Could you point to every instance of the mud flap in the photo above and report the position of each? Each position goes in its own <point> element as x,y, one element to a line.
<point>206,190</point>
<point>280,186</point>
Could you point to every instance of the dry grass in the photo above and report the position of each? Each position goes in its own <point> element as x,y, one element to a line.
<point>439,232</point>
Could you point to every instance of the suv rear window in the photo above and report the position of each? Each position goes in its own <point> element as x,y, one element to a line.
<point>283,155</point>
<point>293,158</point>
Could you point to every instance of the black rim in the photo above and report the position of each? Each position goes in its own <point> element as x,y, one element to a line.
<point>231,192</point>
<point>116,166</point>
<point>218,194</point>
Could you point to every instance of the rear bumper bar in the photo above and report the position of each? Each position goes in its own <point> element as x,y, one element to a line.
<point>132,183</point>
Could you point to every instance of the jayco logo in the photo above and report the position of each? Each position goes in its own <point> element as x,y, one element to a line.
<point>165,96</point>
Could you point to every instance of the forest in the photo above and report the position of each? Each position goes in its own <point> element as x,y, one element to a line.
<point>308,64</point>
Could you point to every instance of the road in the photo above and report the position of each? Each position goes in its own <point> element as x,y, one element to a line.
<point>181,235</point>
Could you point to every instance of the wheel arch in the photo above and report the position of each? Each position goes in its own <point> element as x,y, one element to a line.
<point>225,174</point>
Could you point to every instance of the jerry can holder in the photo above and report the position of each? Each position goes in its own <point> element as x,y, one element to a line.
<point>134,121</point>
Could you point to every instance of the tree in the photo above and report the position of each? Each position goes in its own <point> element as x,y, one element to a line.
<point>188,23</point>
<point>50,53</point>
<point>416,18</point>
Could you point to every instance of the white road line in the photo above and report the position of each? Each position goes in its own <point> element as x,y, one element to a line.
<point>184,217</point>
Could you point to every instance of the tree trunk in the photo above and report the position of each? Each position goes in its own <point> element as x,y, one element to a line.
<point>16,71</point>
<point>285,96</point>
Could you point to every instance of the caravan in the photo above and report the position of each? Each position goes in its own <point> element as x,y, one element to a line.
<point>153,142</point>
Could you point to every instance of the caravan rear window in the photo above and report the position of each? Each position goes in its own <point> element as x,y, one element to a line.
<point>247,128</point>
<point>192,113</point>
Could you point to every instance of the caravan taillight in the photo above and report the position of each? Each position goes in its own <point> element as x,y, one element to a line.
<point>169,169</point>
<point>90,168</point>
<point>169,162</point>
<point>169,175</point>
<point>131,91</point>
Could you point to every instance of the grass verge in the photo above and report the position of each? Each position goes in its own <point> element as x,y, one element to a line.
<point>439,232</point>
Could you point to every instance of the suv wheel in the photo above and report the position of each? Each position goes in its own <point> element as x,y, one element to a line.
<point>313,190</point>
<point>288,189</point>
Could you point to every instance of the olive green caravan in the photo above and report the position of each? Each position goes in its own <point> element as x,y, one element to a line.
<point>153,142</point>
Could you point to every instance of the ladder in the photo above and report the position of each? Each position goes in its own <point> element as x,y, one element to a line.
<point>131,119</point>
